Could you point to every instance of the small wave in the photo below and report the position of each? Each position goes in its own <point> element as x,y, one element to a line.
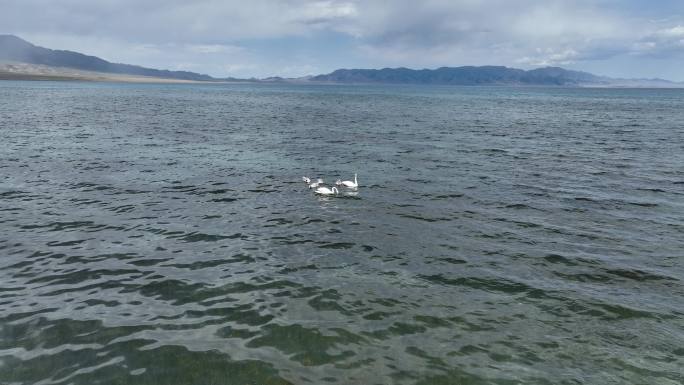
<point>202,237</point>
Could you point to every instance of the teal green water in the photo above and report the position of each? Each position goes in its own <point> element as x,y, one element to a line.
<point>161,234</point>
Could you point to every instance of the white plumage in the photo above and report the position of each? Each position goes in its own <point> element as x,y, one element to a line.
<point>315,184</point>
<point>348,183</point>
<point>326,191</point>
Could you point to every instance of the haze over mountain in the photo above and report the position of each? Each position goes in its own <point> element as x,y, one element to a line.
<point>15,49</point>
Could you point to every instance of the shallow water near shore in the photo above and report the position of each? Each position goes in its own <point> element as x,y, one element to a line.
<point>159,234</point>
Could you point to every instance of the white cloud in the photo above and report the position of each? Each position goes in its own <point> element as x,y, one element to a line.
<point>666,42</point>
<point>550,57</point>
<point>674,32</point>
<point>324,11</point>
<point>213,48</point>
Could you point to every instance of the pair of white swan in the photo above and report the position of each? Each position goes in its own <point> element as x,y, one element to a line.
<point>322,190</point>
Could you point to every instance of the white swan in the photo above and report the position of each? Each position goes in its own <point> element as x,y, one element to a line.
<point>306,180</point>
<point>316,183</point>
<point>348,183</point>
<point>326,191</point>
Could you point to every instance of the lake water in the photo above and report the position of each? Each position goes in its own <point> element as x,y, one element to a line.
<point>161,234</point>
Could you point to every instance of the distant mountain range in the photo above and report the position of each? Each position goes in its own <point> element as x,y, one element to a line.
<point>15,49</point>
<point>487,75</point>
<point>464,76</point>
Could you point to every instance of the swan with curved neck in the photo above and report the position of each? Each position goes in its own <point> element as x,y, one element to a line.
<point>348,183</point>
<point>327,191</point>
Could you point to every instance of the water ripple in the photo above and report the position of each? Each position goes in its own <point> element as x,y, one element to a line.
<point>160,234</point>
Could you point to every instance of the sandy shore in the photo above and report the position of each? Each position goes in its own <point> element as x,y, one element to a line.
<point>23,71</point>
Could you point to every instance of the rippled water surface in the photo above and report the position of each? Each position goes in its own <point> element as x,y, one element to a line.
<point>157,234</point>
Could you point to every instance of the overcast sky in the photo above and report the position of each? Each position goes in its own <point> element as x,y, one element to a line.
<point>621,38</point>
